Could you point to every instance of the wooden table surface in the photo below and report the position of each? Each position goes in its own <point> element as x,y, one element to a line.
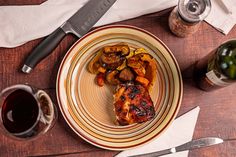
<point>217,109</point>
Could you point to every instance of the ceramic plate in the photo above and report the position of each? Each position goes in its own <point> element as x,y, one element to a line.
<point>88,108</point>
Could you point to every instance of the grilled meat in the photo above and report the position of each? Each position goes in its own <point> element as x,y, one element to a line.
<point>133,104</point>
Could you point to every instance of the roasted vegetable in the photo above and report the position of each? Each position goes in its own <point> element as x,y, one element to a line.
<point>151,73</point>
<point>94,63</point>
<point>144,65</point>
<point>140,50</point>
<point>137,65</point>
<point>111,77</point>
<point>142,80</point>
<point>122,49</point>
<point>101,70</point>
<point>122,66</point>
<point>134,62</point>
<point>100,79</point>
<point>145,57</point>
<point>131,53</point>
<point>140,71</point>
<point>111,61</point>
<point>126,75</point>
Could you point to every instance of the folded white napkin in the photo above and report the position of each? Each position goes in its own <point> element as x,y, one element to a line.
<point>24,23</point>
<point>21,24</point>
<point>180,131</point>
<point>222,15</point>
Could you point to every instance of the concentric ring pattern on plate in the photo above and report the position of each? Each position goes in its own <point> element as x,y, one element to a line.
<point>88,108</point>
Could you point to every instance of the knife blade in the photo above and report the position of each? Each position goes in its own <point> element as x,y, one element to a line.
<point>194,144</point>
<point>78,24</point>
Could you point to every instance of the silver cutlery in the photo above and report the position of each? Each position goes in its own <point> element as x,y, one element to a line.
<point>194,144</point>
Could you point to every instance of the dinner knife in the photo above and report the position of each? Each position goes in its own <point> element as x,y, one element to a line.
<point>194,144</point>
<point>79,24</point>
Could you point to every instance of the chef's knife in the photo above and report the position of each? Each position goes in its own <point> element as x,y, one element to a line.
<point>194,144</point>
<point>79,24</point>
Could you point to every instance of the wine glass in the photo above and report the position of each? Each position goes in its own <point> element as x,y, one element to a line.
<point>26,112</point>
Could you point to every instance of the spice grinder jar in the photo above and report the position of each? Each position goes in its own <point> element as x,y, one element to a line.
<point>187,16</point>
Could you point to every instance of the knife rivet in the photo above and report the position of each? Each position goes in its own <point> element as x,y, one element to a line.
<point>173,150</point>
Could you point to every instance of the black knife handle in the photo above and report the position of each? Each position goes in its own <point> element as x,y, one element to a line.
<point>43,50</point>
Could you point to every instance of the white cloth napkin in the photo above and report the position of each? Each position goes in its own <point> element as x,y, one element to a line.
<point>180,131</point>
<point>222,15</point>
<point>21,24</point>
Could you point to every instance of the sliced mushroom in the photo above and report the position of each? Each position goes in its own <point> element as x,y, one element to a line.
<point>111,61</point>
<point>126,75</point>
<point>122,49</point>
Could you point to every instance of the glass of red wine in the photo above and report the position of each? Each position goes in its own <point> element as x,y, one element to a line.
<point>26,112</point>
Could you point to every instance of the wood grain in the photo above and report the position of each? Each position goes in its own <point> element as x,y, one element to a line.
<point>20,2</point>
<point>217,115</point>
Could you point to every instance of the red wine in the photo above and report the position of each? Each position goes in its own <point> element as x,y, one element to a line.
<point>20,112</point>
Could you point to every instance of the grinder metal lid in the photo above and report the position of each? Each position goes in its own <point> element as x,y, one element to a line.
<point>194,10</point>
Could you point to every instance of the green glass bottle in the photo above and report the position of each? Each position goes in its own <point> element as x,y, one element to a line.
<point>218,69</point>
